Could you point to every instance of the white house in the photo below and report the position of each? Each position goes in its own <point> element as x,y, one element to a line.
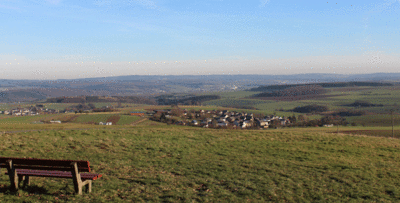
<point>246,124</point>
<point>328,125</point>
<point>222,124</point>
<point>264,123</point>
<point>107,123</point>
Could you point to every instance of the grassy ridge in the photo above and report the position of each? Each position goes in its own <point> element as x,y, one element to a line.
<point>156,162</point>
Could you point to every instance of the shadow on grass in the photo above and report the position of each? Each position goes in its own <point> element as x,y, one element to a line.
<point>30,189</point>
<point>6,190</point>
<point>36,190</point>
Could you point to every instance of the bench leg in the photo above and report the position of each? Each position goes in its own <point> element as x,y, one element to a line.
<point>12,173</point>
<point>88,186</point>
<point>79,192</point>
<point>26,181</point>
<point>78,187</point>
<point>76,178</point>
<point>20,179</point>
<point>78,184</point>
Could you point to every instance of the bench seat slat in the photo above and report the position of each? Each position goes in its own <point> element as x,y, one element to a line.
<point>16,166</point>
<point>71,169</point>
<point>56,174</point>
<point>45,162</point>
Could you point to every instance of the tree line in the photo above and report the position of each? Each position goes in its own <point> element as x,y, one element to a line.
<point>94,99</point>
<point>271,88</point>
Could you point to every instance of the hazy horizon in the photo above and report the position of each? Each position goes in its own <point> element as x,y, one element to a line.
<point>57,39</point>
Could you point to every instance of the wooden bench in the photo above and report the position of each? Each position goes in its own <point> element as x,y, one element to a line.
<point>20,169</point>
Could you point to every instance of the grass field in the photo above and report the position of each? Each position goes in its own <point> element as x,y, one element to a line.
<point>375,120</point>
<point>61,106</point>
<point>93,118</point>
<point>233,102</point>
<point>126,120</point>
<point>376,116</point>
<point>380,95</point>
<point>24,119</point>
<point>375,133</point>
<point>154,162</point>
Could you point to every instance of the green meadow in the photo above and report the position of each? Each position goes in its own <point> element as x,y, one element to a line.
<point>84,118</point>
<point>153,162</point>
<point>147,161</point>
<point>335,99</point>
<point>127,119</point>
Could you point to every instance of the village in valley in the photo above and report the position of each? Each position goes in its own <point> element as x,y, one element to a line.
<point>219,118</point>
<point>29,111</point>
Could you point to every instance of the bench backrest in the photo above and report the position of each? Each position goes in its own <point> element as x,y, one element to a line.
<point>44,164</point>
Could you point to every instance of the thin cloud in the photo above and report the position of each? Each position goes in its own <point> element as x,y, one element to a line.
<point>8,7</point>
<point>54,2</point>
<point>103,2</point>
<point>146,3</point>
<point>264,3</point>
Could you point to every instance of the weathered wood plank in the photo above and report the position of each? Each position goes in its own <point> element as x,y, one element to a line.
<point>76,178</point>
<point>48,168</point>
<point>20,169</point>
<point>56,174</point>
<point>12,174</point>
<point>84,166</point>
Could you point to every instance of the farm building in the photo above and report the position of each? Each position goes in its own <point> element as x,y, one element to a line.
<point>137,113</point>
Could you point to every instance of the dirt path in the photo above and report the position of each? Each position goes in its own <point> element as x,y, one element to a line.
<point>139,121</point>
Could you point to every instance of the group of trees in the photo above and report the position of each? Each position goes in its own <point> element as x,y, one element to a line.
<point>360,103</point>
<point>294,91</point>
<point>349,112</point>
<point>241,107</point>
<point>319,109</point>
<point>193,100</point>
<point>93,99</point>
<point>313,108</point>
<point>303,121</point>
<point>80,108</point>
<point>270,88</point>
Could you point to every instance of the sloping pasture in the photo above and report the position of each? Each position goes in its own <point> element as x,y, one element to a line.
<point>167,163</point>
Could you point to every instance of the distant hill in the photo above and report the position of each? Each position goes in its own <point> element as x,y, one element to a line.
<point>146,85</point>
<point>272,88</point>
<point>94,99</point>
<point>20,95</point>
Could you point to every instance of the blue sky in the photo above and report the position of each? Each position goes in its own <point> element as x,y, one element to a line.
<point>53,39</point>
